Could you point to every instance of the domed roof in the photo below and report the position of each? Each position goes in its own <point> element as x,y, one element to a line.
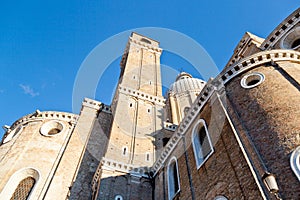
<point>185,82</point>
<point>183,75</point>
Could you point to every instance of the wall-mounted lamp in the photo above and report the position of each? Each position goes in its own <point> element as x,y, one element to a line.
<point>270,182</point>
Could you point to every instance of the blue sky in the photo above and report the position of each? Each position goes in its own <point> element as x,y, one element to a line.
<point>42,45</point>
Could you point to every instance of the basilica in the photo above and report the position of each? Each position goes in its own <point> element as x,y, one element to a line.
<point>236,136</point>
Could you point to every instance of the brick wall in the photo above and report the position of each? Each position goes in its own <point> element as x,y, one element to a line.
<point>225,173</point>
<point>270,115</point>
<point>81,189</point>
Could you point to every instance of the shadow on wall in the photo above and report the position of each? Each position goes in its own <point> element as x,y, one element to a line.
<point>125,187</point>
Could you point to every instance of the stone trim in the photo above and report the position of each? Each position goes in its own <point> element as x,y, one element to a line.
<point>41,116</point>
<point>140,44</point>
<point>214,85</point>
<point>118,197</point>
<point>106,108</point>
<point>259,77</point>
<point>142,95</point>
<point>92,103</point>
<point>145,45</point>
<point>258,59</point>
<point>53,124</point>
<point>169,126</point>
<point>113,165</point>
<point>185,93</point>
<point>123,167</point>
<point>17,177</point>
<point>247,39</point>
<point>10,134</point>
<point>201,123</point>
<point>281,30</point>
<point>295,162</point>
<point>203,97</point>
<point>173,160</point>
<point>97,105</point>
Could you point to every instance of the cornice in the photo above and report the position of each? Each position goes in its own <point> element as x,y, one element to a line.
<point>217,84</point>
<point>256,60</point>
<point>145,45</point>
<point>281,30</point>
<point>142,95</point>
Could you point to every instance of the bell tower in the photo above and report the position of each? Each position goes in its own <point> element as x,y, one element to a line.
<point>137,104</point>
<point>137,110</point>
<point>140,65</point>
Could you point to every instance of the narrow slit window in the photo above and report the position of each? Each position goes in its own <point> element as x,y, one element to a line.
<point>124,151</point>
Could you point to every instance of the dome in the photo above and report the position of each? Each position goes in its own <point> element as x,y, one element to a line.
<point>183,75</point>
<point>185,82</point>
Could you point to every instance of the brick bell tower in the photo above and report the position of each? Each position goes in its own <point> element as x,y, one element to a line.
<point>137,104</point>
<point>137,111</point>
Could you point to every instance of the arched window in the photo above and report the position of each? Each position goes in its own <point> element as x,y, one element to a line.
<point>201,143</point>
<point>295,162</point>
<point>173,178</point>
<point>21,184</point>
<point>24,188</point>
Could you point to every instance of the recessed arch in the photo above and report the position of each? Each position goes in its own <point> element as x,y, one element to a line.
<point>51,128</point>
<point>202,144</point>
<point>173,178</point>
<point>12,134</point>
<point>17,178</point>
<point>291,40</point>
<point>295,162</point>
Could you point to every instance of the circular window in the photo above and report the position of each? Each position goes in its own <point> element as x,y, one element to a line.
<point>51,128</point>
<point>296,43</point>
<point>252,80</point>
<point>291,40</point>
<point>220,198</point>
<point>118,197</point>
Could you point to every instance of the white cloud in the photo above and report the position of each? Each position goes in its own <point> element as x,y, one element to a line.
<point>28,90</point>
